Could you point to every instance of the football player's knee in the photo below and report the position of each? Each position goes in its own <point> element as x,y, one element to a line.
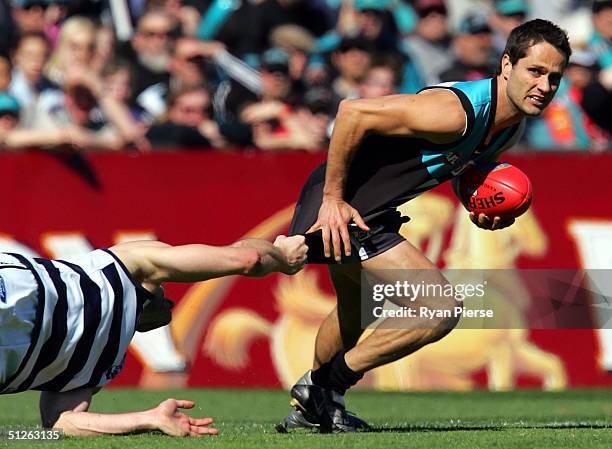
<point>448,320</point>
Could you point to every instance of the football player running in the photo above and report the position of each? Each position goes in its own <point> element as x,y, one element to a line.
<point>383,152</point>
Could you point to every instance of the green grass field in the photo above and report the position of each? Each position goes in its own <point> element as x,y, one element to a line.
<point>246,418</point>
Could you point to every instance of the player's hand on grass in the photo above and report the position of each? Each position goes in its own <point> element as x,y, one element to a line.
<point>168,419</point>
<point>485,222</point>
<point>294,251</point>
<point>334,217</point>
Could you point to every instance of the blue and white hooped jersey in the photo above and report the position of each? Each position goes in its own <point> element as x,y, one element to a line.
<point>65,324</point>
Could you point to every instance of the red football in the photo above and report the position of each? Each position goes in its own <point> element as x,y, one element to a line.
<point>494,189</point>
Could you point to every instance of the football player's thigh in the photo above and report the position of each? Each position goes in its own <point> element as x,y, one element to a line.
<point>403,262</point>
<point>403,256</point>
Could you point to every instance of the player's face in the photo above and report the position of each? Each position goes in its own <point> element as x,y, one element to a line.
<point>533,81</point>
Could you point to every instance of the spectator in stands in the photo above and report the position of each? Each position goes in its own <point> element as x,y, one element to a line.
<point>244,27</point>
<point>601,40</point>
<point>8,28</point>
<point>185,14</point>
<point>275,118</point>
<point>381,79</point>
<point>186,68</point>
<point>317,73</point>
<point>429,45</point>
<point>375,24</point>
<point>149,51</point>
<point>104,48</point>
<point>55,15</point>
<point>352,61</point>
<point>5,72</point>
<point>298,43</point>
<point>14,138</point>
<point>508,15</point>
<point>9,114</point>
<point>29,15</point>
<point>597,98</point>
<point>102,122</point>
<point>318,107</point>
<point>473,49</point>
<point>28,80</point>
<point>116,83</point>
<point>188,123</point>
<point>74,48</point>
<point>582,68</point>
<point>565,123</point>
<point>233,23</point>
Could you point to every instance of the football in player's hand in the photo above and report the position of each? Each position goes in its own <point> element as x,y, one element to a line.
<point>495,189</point>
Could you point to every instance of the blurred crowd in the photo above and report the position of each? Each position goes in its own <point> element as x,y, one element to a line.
<point>142,75</point>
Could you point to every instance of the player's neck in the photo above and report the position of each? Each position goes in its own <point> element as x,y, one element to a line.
<point>506,114</point>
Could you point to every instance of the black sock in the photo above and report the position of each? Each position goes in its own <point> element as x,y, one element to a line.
<point>320,376</point>
<point>336,375</point>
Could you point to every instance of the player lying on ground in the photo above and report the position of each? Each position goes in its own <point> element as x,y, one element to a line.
<point>65,325</point>
<point>384,152</point>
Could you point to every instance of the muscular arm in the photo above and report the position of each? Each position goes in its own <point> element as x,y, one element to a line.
<point>435,115</point>
<point>156,262</point>
<point>284,255</point>
<point>68,412</point>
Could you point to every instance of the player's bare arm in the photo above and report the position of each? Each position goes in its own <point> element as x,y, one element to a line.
<point>53,404</point>
<point>408,115</point>
<point>69,412</point>
<point>156,262</point>
<point>287,255</point>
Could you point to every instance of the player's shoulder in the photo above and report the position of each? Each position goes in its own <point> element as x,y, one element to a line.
<point>476,92</point>
<point>444,113</point>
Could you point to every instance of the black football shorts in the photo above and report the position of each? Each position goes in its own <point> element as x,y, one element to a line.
<point>383,235</point>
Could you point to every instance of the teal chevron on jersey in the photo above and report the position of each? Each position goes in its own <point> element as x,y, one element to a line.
<point>479,100</point>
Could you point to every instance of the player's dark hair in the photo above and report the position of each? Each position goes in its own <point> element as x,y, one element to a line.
<point>533,32</point>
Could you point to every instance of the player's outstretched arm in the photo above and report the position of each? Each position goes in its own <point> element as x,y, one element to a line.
<point>68,412</point>
<point>434,115</point>
<point>156,262</point>
<point>287,254</point>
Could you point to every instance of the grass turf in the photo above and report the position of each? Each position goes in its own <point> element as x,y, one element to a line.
<point>246,418</point>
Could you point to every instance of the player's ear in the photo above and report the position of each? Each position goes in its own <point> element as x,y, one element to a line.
<point>506,66</point>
